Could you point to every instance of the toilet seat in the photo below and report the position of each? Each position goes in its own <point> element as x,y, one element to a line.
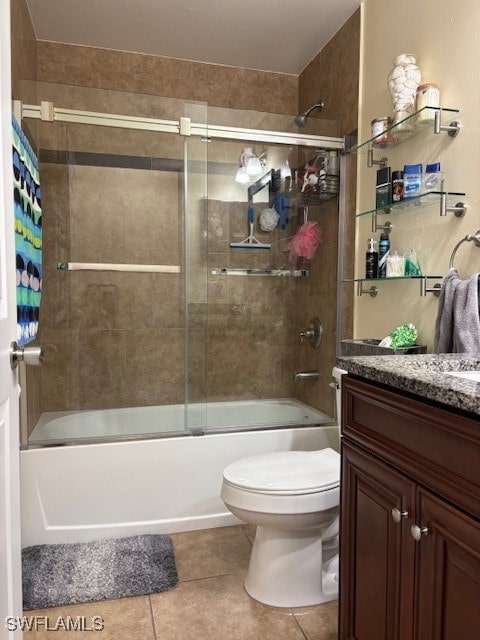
<point>286,472</point>
<point>287,482</point>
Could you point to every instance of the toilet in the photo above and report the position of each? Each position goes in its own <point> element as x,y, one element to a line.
<point>293,498</point>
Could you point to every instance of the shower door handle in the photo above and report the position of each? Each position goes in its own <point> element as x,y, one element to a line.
<point>28,355</point>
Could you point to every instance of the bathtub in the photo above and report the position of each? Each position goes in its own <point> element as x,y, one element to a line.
<point>60,427</point>
<point>155,485</point>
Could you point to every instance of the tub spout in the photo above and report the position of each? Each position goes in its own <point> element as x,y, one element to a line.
<point>305,375</point>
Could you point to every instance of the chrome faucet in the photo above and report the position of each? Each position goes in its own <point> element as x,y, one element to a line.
<point>305,375</point>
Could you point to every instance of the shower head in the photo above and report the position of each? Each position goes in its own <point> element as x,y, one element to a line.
<point>301,120</point>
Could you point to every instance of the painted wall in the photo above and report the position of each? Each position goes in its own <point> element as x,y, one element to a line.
<point>444,38</point>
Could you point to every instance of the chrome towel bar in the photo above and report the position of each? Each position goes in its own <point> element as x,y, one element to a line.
<point>107,266</point>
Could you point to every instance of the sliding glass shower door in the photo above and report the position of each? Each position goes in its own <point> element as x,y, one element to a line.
<point>123,241</point>
<point>195,240</point>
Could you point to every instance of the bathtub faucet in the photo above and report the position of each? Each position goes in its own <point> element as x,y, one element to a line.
<point>305,375</point>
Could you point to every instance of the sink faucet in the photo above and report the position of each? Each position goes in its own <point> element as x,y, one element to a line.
<point>305,375</point>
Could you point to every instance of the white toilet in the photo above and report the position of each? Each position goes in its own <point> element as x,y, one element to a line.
<point>293,498</point>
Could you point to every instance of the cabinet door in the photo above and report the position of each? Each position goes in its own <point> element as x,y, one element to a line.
<point>376,552</point>
<point>448,575</point>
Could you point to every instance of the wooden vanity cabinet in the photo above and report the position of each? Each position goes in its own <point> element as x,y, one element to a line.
<point>410,518</point>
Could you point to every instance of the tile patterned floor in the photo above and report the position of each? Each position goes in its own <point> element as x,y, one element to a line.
<point>209,603</point>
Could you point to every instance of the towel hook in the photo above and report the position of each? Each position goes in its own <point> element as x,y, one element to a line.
<point>468,238</point>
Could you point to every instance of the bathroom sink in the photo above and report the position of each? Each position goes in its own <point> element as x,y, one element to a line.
<point>467,375</point>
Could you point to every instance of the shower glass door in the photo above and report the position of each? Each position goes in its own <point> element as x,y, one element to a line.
<point>120,204</point>
<point>195,239</point>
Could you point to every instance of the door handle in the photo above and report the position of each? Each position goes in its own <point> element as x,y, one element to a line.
<point>28,355</point>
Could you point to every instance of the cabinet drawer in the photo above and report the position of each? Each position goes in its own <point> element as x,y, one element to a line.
<point>438,447</point>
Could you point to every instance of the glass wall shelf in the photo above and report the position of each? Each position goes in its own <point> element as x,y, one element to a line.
<point>424,200</point>
<point>390,279</point>
<point>373,290</point>
<point>418,124</point>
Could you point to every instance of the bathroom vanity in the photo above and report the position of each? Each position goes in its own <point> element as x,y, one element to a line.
<point>410,499</point>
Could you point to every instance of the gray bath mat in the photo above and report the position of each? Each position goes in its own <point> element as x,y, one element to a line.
<point>58,574</point>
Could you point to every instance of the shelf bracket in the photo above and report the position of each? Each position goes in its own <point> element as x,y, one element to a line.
<point>387,227</point>
<point>372,292</point>
<point>383,162</point>
<point>460,209</point>
<point>424,289</point>
<point>453,128</point>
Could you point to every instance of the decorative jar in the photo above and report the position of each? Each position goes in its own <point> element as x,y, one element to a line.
<point>403,81</point>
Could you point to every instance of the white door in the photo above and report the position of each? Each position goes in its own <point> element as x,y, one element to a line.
<point>10,554</point>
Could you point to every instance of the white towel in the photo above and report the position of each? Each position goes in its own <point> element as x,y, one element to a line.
<point>457,328</point>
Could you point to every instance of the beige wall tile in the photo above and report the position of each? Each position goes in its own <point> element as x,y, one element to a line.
<point>24,48</point>
<point>102,369</point>
<point>284,370</point>
<point>155,371</point>
<point>332,76</point>
<point>240,365</point>
<point>60,370</point>
<point>96,139</point>
<point>123,71</point>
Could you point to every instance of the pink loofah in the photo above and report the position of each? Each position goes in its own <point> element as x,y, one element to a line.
<point>305,242</point>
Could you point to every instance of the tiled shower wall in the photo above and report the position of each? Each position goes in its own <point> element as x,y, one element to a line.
<point>332,76</point>
<point>92,325</point>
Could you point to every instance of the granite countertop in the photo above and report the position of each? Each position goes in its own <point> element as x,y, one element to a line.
<point>422,375</point>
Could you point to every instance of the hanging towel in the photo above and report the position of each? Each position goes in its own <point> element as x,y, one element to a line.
<point>466,320</point>
<point>457,328</point>
<point>28,235</point>
<point>444,324</point>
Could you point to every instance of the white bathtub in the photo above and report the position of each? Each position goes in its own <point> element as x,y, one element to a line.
<point>65,426</point>
<point>160,485</point>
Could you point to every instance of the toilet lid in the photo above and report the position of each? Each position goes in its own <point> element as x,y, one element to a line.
<point>286,472</point>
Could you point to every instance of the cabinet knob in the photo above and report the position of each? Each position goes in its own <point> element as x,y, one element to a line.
<point>397,515</point>
<point>418,532</point>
